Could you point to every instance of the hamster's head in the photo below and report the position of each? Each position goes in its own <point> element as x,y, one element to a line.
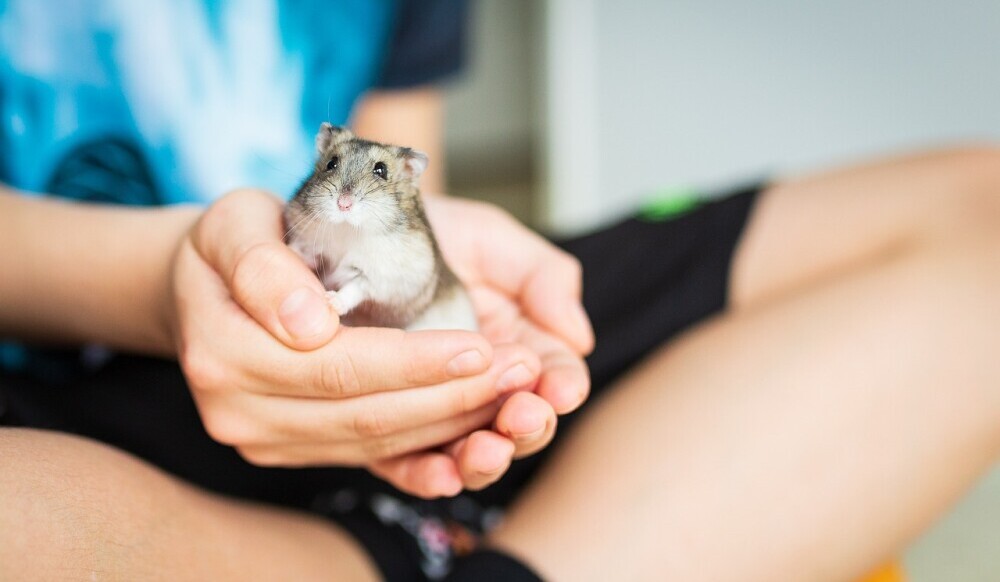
<point>362,182</point>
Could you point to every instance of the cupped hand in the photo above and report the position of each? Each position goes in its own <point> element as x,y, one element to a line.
<point>274,375</point>
<point>526,292</point>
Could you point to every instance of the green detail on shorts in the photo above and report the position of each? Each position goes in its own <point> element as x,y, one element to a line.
<point>670,203</point>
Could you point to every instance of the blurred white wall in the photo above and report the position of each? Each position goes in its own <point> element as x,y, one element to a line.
<point>660,93</point>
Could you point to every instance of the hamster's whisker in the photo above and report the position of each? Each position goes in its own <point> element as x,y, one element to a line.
<point>379,218</point>
<point>321,267</point>
<point>325,269</point>
<point>365,194</point>
<point>377,215</point>
<point>300,222</point>
<point>308,221</point>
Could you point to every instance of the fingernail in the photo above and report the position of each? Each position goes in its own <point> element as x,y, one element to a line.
<point>494,470</point>
<point>304,313</point>
<point>505,460</point>
<point>531,436</point>
<point>515,377</point>
<point>466,364</point>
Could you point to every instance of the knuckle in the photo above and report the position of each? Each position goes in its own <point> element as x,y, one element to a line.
<point>463,401</point>
<point>204,371</point>
<point>370,424</point>
<point>232,203</point>
<point>208,221</point>
<point>414,363</point>
<point>226,427</point>
<point>383,448</point>
<point>339,377</point>
<point>254,262</point>
<point>415,372</point>
<point>223,210</point>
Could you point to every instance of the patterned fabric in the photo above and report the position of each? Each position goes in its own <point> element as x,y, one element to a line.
<point>210,95</point>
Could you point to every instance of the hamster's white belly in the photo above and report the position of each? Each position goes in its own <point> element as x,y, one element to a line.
<point>396,270</point>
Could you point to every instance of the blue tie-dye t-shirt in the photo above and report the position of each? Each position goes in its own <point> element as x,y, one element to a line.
<point>159,101</point>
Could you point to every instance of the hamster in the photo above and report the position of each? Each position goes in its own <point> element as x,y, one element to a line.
<point>359,223</point>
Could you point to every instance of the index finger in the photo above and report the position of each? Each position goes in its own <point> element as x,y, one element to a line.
<point>362,360</point>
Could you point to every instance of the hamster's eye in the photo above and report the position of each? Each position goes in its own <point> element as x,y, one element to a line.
<point>332,164</point>
<point>381,170</point>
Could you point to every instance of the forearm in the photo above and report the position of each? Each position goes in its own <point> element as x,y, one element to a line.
<point>72,273</point>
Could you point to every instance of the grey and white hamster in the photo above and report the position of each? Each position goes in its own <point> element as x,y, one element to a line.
<point>359,222</point>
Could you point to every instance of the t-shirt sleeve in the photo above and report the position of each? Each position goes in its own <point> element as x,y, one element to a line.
<point>427,45</point>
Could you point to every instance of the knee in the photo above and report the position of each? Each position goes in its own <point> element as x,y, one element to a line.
<point>977,198</point>
<point>980,161</point>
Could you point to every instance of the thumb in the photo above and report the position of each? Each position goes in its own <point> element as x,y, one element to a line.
<point>240,237</point>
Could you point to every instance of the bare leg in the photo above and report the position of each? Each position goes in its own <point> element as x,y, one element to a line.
<point>812,230</point>
<point>849,398</point>
<point>73,509</point>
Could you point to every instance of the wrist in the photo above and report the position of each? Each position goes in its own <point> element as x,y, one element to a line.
<point>177,223</point>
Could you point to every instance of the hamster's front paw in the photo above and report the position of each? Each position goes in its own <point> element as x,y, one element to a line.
<point>336,303</point>
<point>347,297</point>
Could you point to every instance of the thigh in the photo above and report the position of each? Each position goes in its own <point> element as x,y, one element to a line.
<point>72,508</point>
<point>806,439</point>
<point>811,229</point>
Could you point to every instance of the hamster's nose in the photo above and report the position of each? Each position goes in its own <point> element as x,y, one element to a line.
<point>345,201</point>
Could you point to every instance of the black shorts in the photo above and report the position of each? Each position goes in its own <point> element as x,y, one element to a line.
<point>645,281</point>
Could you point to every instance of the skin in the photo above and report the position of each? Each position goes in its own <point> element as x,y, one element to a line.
<point>659,414</point>
<point>250,391</point>
<point>130,521</point>
<point>39,309</point>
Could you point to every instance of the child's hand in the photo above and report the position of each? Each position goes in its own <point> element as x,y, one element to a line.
<point>275,376</point>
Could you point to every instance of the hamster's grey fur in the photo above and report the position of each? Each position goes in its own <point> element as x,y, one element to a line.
<point>358,221</point>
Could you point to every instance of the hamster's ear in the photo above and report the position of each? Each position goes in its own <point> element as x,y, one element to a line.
<point>329,135</point>
<point>416,162</point>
